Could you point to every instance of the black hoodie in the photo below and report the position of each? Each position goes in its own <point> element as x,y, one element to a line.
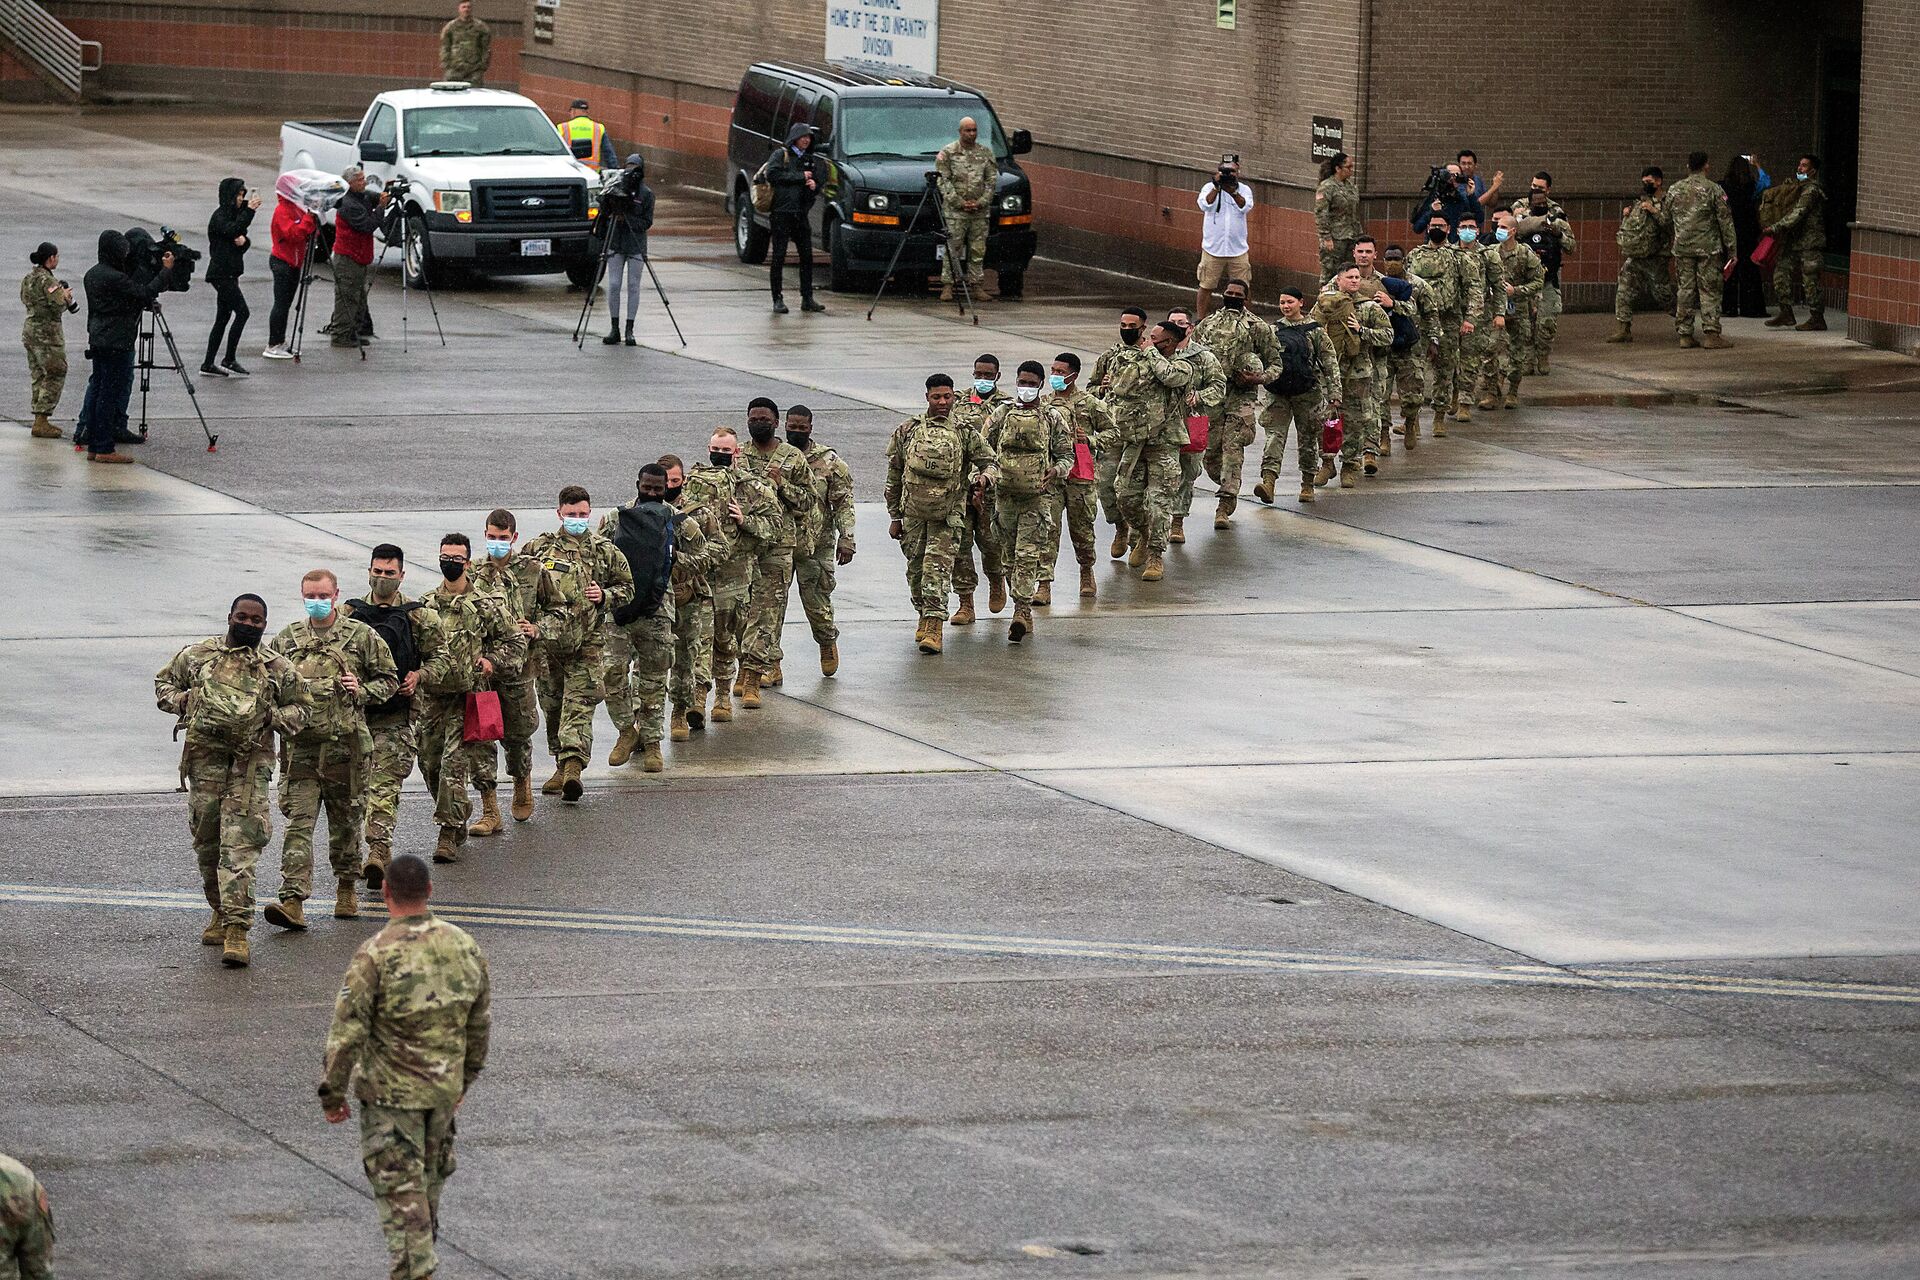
<point>627,218</point>
<point>788,174</point>
<point>229,220</point>
<point>115,299</point>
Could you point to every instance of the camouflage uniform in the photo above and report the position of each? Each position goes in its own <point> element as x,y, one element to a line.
<point>1205,394</point>
<point>26,1224</point>
<point>1233,336</point>
<point>1529,225</point>
<point>572,635</point>
<point>799,493</point>
<point>1485,287</point>
<point>928,505</point>
<point>1646,261</point>
<point>966,173</point>
<point>693,602</point>
<point>392,729</point>
<point>977,530</point>
<point>1410,371</point>
<point>466,50</point>
<point>410,1032</point>
<point>639,655</point>
<point>1439,265</point>
<point>1510,349</point>
<point>523,585</point>
<point>1149,409</point>
<point>1106,458</point>
<point>1306,412</point>
<point>476,624</point>
<point>43,338</point>
<point>1702,236</point>
<point>1375,428</point>
<point>1802,238</point>
<point>328,761</point>
<point>731,574</point>
<point>229,775</point>
<point>1073,500</point>
<point>1336,217</point>
<point>1034,448</point>
<point>1358,358</point>
<point>827,528</point>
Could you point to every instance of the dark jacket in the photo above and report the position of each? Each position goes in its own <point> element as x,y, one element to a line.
<point>115,298</point>
<point>626,212</point>
<point>788,170</point>
<point>224,257</point>
<point>1459,202</point>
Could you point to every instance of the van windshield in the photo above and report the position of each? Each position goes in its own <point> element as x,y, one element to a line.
<point>481,131</point>
<point>913,128</point>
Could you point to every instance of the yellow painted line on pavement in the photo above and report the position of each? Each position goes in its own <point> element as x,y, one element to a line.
<point>1196,956</point>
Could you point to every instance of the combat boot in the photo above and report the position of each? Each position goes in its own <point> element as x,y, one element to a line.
<point>829,659</point>
<point>613,335</point>
<point>234,953</point>
<point>1544,365</point>
<point>1223,511</point>
<point>1350,476</point>
<point>43,428</point>
<point>447,848</point>
<point>570,788</point>
<point>1043,595</point>
<point>1386,444</point>
<point>1410,430</point>
<point>631,340</point>
<point>774,678</point>
<point>1087,588</point>
<point>1816,322</point>
<point>346,901</point>
<point>650,759</point>
<point>551,786</point>
<point>1155,569</point>
<point>1464,413</point>
<point>1370,463</point>
<point>379,854</point>
<point>489,824</point>
<point>1687,340</point>
<point>697,714</point>
<point>1022,623</point>
<point>946,292</point>
<point>963,616</point>
<point>750,691</point>
<point>1623,331</point>
<point>1489,398</point>
<point>1178,533</point>
<point>1715,342</point>
<point>286,914</point>
<point>1782,319</point>
<point>216,931</point>
<point>623,746</point>
<point>1306,492</point>
<point>739,682</point>
<point>996,592</point>
<point>678,729</point>
<point>1439,426</point>
<point>1137,557</point>
<point>930,638</point>
<point>1118,551</point>
<point>1323,476</point>
<point>1512,400</point>
<point>1264,490</point>
<point>722,706</point>
<point>522,799</point>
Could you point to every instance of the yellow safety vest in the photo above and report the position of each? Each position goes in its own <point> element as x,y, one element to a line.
<point>584,138</point>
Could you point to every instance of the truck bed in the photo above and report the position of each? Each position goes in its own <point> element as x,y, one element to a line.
<point>338,130</point>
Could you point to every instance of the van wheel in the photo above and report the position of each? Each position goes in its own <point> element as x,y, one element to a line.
<point>1011,282</point>
<point>416,254</point>
<point>580,274</point>
<point>749,237</point>
<point>841,277</point>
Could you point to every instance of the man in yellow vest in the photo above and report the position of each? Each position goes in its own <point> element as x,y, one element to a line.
<point>588,139</point>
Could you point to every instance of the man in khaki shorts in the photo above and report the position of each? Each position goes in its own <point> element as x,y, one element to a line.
<point>1224,202</point>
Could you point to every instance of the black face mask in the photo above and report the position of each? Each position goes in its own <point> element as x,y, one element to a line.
<point>1232,303</point>
<point>452,569</point>
<point>1129,335</point>
<point>719,459</point>
<point>242,636</point>
<point>798,439</point>
<point>1436,235</point>
<point>673,492</point>
<point>1649,187</point>
<point>760,431</point>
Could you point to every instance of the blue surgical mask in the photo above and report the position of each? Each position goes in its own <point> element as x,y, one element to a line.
<point>983,386</point>
<point>575,525</point>
<point>1501,234</point>
<point>1801,177</point>
<point>1468,235</point>
<point>318,609</point>
<point>499,548</point>
<point>1056,383</point>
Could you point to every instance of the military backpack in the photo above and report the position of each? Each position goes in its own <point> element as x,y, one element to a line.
<point>932,452</point>
<point>228,706</point>
<point>644,534</point>
<point>1335,310</point>
<point>1299,365</point>
<point>316,665</point>
<point>1024,445</point>
<point>394,625</point>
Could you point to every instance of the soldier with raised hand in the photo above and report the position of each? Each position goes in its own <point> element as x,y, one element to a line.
<point>591,580</point>
<point>1205,394</point>
<point>231,695</point>
<point>1303,389</point>
<point>1154,385</point>
<point>1645,239</point>
<point>1090,424</point>
<point>1244,346</point>
<point>787,470</point>
<point>1410,369</point>
<point>1358,330</point>
<point>1543,225</point>
<point>345,666</point>
<point>466,47</point>
<point>1485,314</point>
<point>972,407</point>
<point>967,179</point>
<point>1702,238</point>
<point>747,512</point>
<point>26,1224</point>
<point>1106,461</point>
<point>933,460</point>
<point>1801,234</point>
<point>47,302</point>
<point>410,1034</point>
<point>1512,345</point>
<point>522,584</point>
<point>825,535</point>
<point>1034,446</point>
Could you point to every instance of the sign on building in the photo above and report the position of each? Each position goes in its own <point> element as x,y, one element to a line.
<point>904,34</point>
<point>543,15</point>
<point>1329,136</point>
<point>1223,14</point>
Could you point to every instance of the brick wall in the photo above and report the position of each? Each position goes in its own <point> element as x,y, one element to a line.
<point>1885,307</point>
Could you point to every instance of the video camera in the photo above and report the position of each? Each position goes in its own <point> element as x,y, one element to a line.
<point>144,251</point>
<point>1439,185</point>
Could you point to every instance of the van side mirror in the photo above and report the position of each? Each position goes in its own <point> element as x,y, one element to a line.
<point>1022,142</point>
<point>378,153</point>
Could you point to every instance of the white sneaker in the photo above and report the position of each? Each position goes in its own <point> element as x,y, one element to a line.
<point>276,353</point>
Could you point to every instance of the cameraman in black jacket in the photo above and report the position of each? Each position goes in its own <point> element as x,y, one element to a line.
<point>227,246</point>
<point>626,215</point>
<point>118,290</point>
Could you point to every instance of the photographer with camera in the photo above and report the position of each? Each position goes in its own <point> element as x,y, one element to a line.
<point>48,299</point>
<point>119,287</point>
<point>1223,202</point>
<point>796,177</point>
<point>355,219</point>
<point>1447,196</point>
<point>291,232</point>
<point>626,215</point>
<point>227,245</point>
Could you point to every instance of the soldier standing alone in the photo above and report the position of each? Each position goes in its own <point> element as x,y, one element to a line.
<point>46,301</point>
<point>967,179</point>
<point>409,1035</point>
<point>1702,237</point>
<point>466,47</point>
<point>1336,213</point>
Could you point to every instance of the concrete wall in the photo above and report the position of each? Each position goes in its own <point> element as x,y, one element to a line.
<point>1885,306</point>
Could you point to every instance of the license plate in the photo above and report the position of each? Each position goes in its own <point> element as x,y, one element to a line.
<point>939,253</point>
<point>536,248</point>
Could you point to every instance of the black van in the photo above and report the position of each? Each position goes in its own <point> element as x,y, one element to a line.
<point>879,132</point>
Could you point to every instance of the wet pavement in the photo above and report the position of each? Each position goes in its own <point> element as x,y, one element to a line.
<point>1504,868</point>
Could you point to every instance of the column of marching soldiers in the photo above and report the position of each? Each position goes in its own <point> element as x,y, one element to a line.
<point>682,595</point>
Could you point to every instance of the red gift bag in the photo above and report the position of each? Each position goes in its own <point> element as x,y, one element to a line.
<point>1082,462</point>
<point>483,721</point>
<point>1764,253</point>
<point>1332,435</point>
<point>1196,434</point>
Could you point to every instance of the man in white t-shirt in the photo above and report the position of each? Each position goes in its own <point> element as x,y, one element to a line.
<point>1223,240</point>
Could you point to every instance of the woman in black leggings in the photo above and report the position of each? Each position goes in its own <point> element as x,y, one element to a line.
<point>226,253</point>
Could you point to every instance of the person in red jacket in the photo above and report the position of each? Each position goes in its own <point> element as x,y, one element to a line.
<point>355,219</point>
<point>293,229</point>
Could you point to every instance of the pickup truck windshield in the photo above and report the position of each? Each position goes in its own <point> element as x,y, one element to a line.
<point>481,131</point>
<point>913,128</point>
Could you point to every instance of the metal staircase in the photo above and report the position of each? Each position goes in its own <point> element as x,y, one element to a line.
<point>45,45</point>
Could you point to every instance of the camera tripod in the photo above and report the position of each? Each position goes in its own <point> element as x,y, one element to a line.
<point>965,300</point>
<point>599,273</point>
<point>297,334</point>
<point>407,231</point>
<point>154,321</point>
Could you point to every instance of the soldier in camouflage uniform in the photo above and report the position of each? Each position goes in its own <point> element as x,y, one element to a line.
<point>1106,460</point>
<point>640,652</point>
<point>482,638</point>
<point>1511,346</point>
<point>1358,330</point>
<point>1205,394</point>
<point>825,535</point>
<point>1544,226</point>
<point>409,1035</point>
<point>1702,237</point>
<point>466,47</point>
<point>747,511</point>
<point>792,478</point>
<point>1801,234</point>
<point>231,695</point>
<point>1485,288</point>
<point>1409,371</point>
<point>1307,409</point>
<point>1336,213</point>
<point>26,1224</point>
<point>971,408</point>
<point>932,461</point>
<point>1033,442</point>
<point>46,302</point>
<point>692,607</point>
<point>1373,432</point>
<point>345,665</point>
<point>1149,409</point>
<point>1244,344</point>
<point>1646,253</point>
<point>967,178</point>
<point>1437,262</point>
<point>1073,503</point>
<point>522,582</point>
<point>592,579</point>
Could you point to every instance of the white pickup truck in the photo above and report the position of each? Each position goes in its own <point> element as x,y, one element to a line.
<point>491,187</point>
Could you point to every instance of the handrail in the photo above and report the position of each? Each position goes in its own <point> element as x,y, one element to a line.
<point>45,42</point>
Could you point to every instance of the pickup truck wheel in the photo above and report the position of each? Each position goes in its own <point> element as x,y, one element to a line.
<point>580,274</point>
<point>416,254</point>
<point>749,237</point>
